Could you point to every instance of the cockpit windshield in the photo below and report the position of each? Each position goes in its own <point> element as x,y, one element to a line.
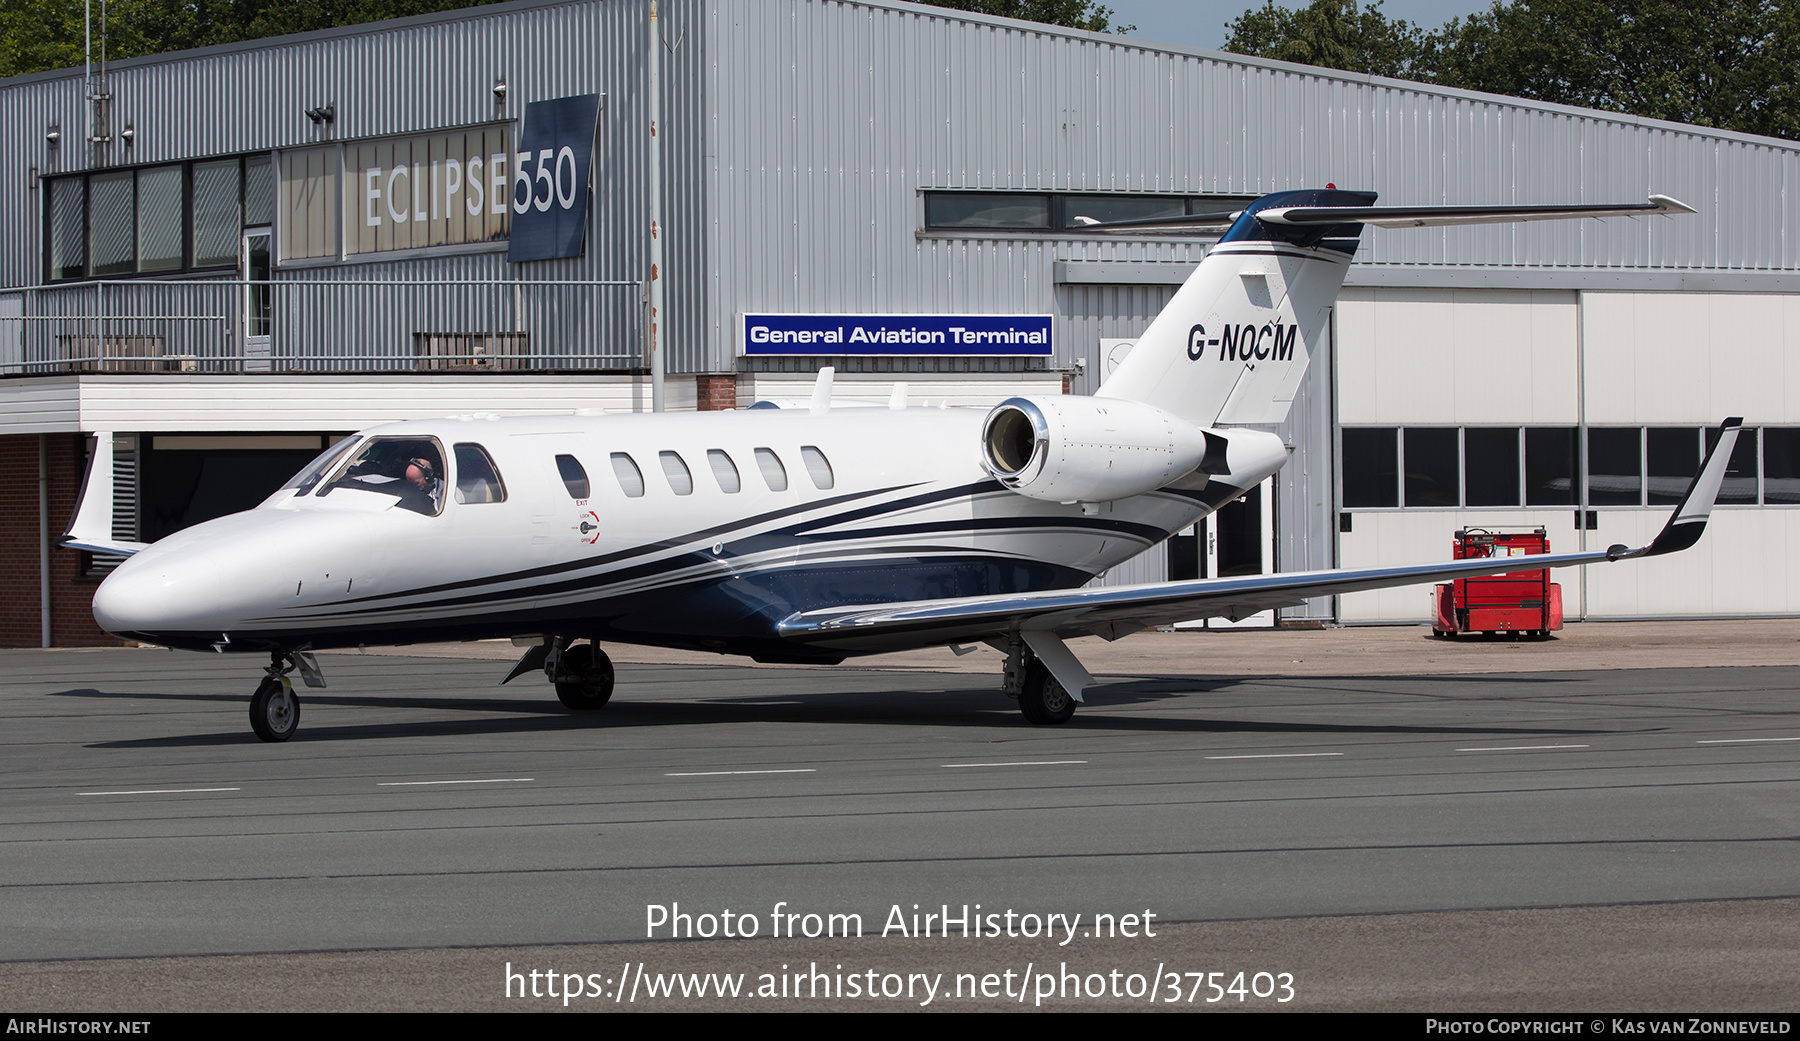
<point>303,482</point>
<point>409,468</point>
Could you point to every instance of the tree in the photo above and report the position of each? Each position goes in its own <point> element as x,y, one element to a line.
<point>1075,14</point>
<point>48,34</point>
<point>1720,63</point>
<point>1334,34</point>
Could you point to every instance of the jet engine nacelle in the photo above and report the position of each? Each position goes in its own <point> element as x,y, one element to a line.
<point>1080,449</point>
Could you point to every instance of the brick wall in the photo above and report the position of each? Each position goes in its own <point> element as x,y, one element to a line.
<point>71,596</point>
<point>717,393</point>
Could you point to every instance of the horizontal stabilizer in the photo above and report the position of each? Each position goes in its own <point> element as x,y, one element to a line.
<point>1393,216</point>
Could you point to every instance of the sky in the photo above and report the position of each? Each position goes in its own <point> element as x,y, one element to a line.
<point>1201,23</point>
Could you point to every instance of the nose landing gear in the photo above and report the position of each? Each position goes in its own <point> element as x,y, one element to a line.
<point>275,708</point>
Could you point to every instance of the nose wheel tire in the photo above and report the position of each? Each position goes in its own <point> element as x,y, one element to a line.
<point>274,710</point>
<point>590,678</point>
<point>1043,700</point>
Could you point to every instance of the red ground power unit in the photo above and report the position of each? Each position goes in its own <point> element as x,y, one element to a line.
<point>1525,602</point>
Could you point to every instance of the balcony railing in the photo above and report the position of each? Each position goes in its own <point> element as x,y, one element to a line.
<point>287,325</point>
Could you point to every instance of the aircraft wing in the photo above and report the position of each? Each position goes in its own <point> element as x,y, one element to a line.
<point>1116,611</point>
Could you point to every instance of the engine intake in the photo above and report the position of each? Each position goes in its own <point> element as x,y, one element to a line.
<point>1081,449</point>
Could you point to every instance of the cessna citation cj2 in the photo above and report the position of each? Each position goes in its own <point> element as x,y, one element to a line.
<point>807,533</point>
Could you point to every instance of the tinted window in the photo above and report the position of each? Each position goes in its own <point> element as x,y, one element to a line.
<point>159,237</point>
<point>817,467</point>
<point>774,474</point>
<point>631,479</point>
<point>112,223</point>
<point>681,482</point>
<point>68,227</point>
<point>1371,467</point>
<point>724,470</point>
<point>1491,466</point>
<point>1781,466</point>
<point>1672,457</point>
<point>977,210</point>
<point>574,476</point>
<point>1432,475</point>
<point>1550,466</point>
<point>1614,467</point>
<point>477,478</point>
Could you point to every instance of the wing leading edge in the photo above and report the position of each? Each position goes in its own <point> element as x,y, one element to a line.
<point>1117,611</point>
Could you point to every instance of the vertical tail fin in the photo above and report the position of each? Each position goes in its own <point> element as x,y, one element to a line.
<point>1233,344</point>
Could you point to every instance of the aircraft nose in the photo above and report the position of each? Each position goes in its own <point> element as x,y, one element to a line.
<point>146,595</point>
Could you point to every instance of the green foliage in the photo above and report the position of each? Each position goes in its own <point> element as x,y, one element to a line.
<point>1335,34</point>
<point>1075,14</point>
<point>1733,64</point>
<point>47,34</point>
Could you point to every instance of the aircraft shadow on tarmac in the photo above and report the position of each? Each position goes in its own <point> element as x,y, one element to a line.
<point>973,706</point>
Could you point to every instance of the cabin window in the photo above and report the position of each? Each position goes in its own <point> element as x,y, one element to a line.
<point>631,479</point>
<point>774,474</point>
<point>477,479</point>
<point>724,470</point>
<point>817,467</point>
<point>574,476</point>
<point>681,482</point>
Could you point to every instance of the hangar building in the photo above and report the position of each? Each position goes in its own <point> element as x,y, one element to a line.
<point>225,258</point>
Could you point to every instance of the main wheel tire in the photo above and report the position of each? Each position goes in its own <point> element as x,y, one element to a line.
<point>594,686</point>
<point>274,711</point>
<point>1044,701</point>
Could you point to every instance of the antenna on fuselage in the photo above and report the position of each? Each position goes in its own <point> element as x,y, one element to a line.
<point>821,396</point>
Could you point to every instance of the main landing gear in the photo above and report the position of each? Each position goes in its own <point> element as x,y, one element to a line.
<point>1042,699</point>
<point>275,708</point>
<point>583,675</point>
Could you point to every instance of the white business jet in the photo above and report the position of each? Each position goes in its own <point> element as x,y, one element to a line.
<point>806,533</point>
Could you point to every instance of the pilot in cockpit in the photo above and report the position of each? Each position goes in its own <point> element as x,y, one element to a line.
<point>423,476</point>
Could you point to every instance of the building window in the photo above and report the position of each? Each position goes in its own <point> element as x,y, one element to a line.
<point>154,219</point>
<point>1371,468</point>
<point>1550,466</point>
<point>1491,466</point>
<point>1433,470</point>
<point>1058,212</point>
<point>1781,467</point>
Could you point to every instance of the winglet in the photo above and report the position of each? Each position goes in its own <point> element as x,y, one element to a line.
<point>1689,519</point>
<point>92,528</point>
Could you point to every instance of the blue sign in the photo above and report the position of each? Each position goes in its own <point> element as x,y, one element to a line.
<point>986,335</point>
<point>550,178</point>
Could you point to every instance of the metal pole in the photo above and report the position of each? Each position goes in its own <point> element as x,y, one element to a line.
<point>43,540</point>
<point>656,293</point>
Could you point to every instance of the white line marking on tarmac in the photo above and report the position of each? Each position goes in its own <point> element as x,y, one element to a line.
<point>485,780</point>
<point>736,773</point>
<point>1744,740</point>
<point>1041,762</point>
<point>1518,748</point>
<point>1277,755</point>
<point>163,791</point>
